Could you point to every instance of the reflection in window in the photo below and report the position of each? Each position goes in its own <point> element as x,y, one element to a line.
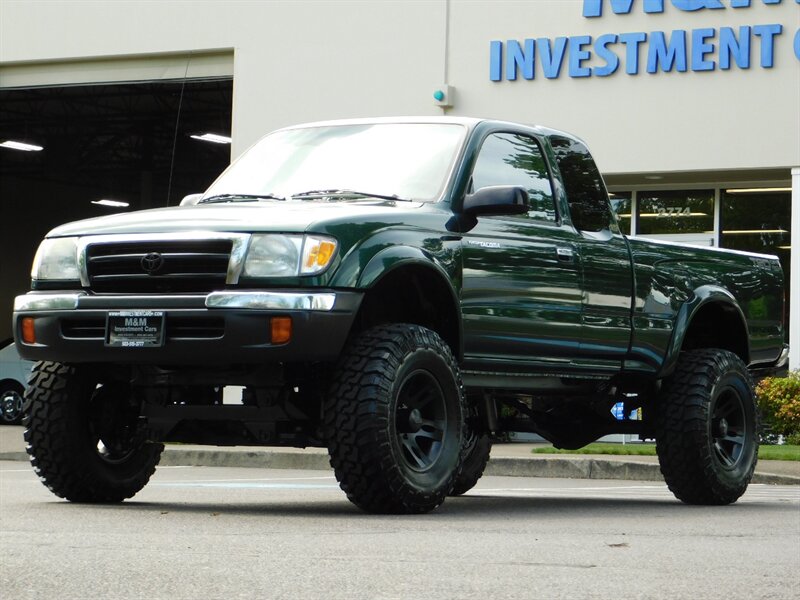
<point>410,160</point>
<point>675,211</point>
<point>586,193</point>
<point>621,204</point>
<point>512,159</point>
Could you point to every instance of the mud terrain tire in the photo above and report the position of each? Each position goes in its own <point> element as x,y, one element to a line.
<point>473,464</point>
<point>80,436</point>
<point>394,420</point>
<point>707,428</point>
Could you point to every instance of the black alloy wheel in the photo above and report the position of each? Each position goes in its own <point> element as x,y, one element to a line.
<point>420,420</point>
<point>728,428</point>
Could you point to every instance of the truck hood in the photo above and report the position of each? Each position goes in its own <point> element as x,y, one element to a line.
<point>278,216</point>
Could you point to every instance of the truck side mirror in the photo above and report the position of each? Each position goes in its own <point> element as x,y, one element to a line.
<point>497,200</point>
<point>191,199</point>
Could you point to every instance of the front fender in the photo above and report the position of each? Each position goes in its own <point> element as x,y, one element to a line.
<point>394,257</point>
<point>702,296</point>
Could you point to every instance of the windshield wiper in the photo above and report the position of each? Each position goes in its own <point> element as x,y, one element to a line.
<point>239,198</point>
<point>346,192</point>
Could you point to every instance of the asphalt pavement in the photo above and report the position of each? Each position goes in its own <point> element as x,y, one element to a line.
<point>512,459</point>
<point>221,532</point>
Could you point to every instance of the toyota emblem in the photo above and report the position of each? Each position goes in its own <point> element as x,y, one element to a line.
<point>152,263</point>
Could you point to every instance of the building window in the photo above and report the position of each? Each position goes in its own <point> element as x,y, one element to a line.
<point>675,212</point>
<point>622,205</point>
<point>758,221</point>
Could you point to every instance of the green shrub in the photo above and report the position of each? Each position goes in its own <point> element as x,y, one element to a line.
<point>779,401</point>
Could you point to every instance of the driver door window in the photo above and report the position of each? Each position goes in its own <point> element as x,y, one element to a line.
<point>513,159</point>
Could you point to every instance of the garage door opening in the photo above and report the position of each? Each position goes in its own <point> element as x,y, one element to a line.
<point>92,150</point>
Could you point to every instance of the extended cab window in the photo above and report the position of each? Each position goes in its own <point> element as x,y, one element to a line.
<point>513,159</point>
<point>586,194</point>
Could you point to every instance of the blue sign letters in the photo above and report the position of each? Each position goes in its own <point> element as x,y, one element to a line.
<point>696,50</point>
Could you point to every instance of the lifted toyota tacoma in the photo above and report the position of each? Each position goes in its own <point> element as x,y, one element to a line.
<point>400,292</point>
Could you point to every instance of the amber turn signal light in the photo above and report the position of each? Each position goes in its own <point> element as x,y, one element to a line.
<point>280,329</point>
<point>28,330</point>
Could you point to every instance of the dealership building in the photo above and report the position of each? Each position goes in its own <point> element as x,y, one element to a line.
<point>691,107</point>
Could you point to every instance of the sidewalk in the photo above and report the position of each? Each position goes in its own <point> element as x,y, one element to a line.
<point>507,459</point>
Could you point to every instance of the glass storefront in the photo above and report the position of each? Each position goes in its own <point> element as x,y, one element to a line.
<point>757,221</point>
<point>622,205</point>
<point>675,212</point>
<point>749,219</point>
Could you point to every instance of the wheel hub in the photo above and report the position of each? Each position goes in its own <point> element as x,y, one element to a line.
<point>415,420</point>
<point>421,420</point>
<point>10,406</point>
<point>720,427</point>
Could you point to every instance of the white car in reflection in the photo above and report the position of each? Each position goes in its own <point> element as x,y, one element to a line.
<point>13,376</point>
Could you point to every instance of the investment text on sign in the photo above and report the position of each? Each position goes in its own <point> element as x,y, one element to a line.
<point>703,49</point>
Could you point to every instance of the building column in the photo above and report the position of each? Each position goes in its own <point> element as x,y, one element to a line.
<point>794,306</point>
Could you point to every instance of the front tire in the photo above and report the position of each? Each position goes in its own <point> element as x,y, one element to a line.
<point>707,428</point>
<point>81,435</point>
<point>395,420</point>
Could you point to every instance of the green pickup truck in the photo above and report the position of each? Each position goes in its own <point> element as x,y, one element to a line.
<point>400,292</point>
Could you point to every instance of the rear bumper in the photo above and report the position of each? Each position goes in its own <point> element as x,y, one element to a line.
<point>220,328</point>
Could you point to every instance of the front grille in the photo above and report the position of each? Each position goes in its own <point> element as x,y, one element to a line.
<point>180,266</point>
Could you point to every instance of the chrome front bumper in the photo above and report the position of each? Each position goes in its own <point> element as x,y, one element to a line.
<point>255,300</point>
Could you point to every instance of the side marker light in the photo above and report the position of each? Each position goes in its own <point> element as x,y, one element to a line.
<point>280,329</point>
<point>28,330</point>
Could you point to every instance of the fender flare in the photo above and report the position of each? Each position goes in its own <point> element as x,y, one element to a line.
<point>702,296</point>
<point>388,260</point>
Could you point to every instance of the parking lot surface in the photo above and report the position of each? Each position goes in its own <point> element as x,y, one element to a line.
<point>202,532</point>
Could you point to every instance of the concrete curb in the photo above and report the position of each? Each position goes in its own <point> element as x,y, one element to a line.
<point>573,468</point>
<point>262,459</point>
<point>555,467</point>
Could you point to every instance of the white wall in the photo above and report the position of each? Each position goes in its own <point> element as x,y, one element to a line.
<point>660,122</point>
<point>300,61</point>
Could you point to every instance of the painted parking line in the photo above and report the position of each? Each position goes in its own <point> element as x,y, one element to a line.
<point>259,479</point>
<point>312,482</point>
<point>755,493</point>
<point>252,485</point>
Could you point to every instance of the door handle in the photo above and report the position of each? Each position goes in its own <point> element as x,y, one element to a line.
<point>565,254</point>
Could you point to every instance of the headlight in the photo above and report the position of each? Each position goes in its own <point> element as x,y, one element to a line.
<point>274,255</point>
<point>56,259</point>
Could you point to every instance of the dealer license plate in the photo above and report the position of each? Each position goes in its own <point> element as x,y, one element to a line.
<point>135,329</point>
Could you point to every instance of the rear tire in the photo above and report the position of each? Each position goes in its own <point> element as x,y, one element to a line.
<point>707,428</point>
<point>82,438</point>
<point>474,463</point>
<point>394,420</point>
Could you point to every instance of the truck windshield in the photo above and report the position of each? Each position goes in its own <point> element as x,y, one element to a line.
<point>410,161</point>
